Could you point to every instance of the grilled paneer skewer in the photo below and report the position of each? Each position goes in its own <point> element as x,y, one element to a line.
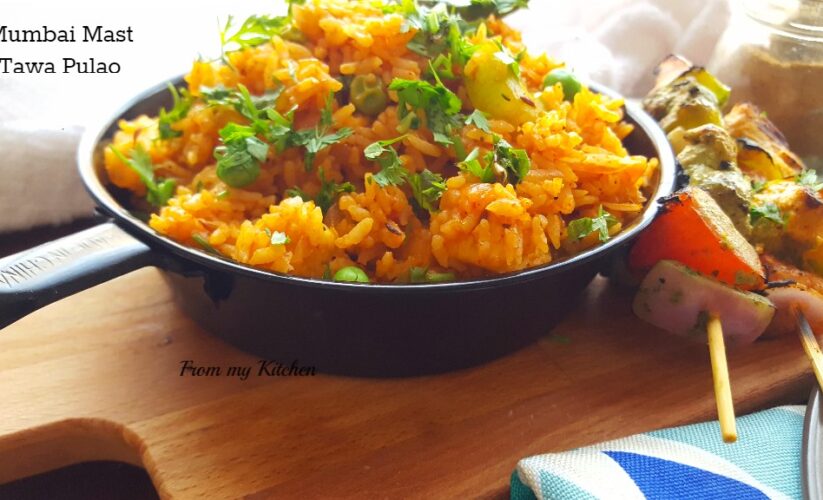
<point>746,166</point>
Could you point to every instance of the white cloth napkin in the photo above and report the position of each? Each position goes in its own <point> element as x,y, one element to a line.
<point>614,42</point>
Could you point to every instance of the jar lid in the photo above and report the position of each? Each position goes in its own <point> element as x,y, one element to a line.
<point>797,18</point>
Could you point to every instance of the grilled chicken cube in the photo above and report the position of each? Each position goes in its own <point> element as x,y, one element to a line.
<point>800,224</point>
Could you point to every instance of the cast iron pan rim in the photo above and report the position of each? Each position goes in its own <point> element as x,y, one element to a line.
<point>95,134</point>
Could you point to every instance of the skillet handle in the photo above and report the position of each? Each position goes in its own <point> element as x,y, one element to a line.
<point>39,276</point>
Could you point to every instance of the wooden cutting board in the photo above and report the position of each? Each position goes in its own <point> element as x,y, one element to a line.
<point>96,376</point>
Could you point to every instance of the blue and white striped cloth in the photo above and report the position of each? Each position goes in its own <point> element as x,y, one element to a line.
<point>682,462</point>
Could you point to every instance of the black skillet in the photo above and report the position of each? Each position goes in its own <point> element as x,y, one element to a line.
<point>357,329</point>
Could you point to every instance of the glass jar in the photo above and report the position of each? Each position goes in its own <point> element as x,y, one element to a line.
<point>772,56</point>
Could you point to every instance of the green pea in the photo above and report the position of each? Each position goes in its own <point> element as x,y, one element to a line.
<point>571,85</point>
<point>368,95</point>
<point>351,274</point>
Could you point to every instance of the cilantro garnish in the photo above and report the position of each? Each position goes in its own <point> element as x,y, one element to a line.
<point>203,242</point>
<point>768,211</point>
<point>181,104</point>
<point>758,186</point>
<point>580,228</point>
<point>318,138</point>
<point>476,9</point>
<point>809,178</point>
<point>329,190</point>
<point>392,172</point>
<point>503,163</point>
<point>264,119</point>
<point>240,156</point>
<point>440,105</point>
<point>427,188</point>
<point>255,31</point>
<point>479,120</point>
<point>242,151</point>
<point>426,275</point>
<point>515,161</point>
<point>504,56</point>
<point>279,238</point>
<point>158,190</point>
<point>442,25</point>
<point>473,165</point>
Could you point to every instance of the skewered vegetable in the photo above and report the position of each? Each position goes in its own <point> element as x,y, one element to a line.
<point>793,288</point>
<point>709,158</point>
<point>694,230</point>
<point>763,152</point>
<point>679,300</point>
<point>684,103</point>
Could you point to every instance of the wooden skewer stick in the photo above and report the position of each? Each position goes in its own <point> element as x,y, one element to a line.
<point>720,374</point>
<point>810,344</point>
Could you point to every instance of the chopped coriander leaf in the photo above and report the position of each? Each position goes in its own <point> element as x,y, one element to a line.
<point>254,31</point>
<point>477,9</point>
<point>473,166</point>
<point>432,26</point>
<point>252,107</point>
<point>758,186</point>
<point>329,190</point>
<point>443,64</point>
<point>768,211</point>
<point>392,172</point>
<point>417,274</point>
<point>297,192</point>
<point>203,242</point>
<point>279,238</point>
<point>809,178</point>
<point>264,119</point>
<point>425,275</point>
<point>503,55</point>
<point>158,191</point>
<point>435,277</point>
<point>580,228</point>
<point>515,161</point>
<point>479,120</point>
<point>317,139</point>
<point>440,105</point>
<point>503,164</point>
<point>427,188</point>
<point>181,103</point>
<point>240,156</point>
<point>216,95</point>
